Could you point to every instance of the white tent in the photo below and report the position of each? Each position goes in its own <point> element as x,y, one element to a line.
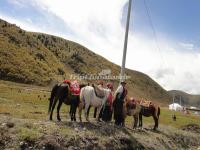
<point>176,107</point>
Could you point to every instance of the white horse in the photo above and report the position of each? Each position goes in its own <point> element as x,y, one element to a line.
<point>89,98</point>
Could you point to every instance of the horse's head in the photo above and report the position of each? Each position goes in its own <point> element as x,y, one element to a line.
<point>130,105</point>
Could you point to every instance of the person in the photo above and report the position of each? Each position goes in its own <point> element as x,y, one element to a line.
<point>119,97</point>
<point>174,117</point>
<point>106,111</point>
<point>121,91</point>
<point>109,86</point>
<point>100,84</point>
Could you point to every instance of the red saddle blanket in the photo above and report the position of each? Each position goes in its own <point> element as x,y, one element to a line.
<point>75,88</point>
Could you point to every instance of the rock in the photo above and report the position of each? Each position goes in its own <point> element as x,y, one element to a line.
<point>76,129</point>
<point>3,124</point>
<point>10,124</point>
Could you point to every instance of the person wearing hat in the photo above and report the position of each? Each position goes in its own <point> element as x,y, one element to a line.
<point>118,102</point>
<point>121,91</point>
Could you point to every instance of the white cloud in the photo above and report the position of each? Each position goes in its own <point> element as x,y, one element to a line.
<point>189,46</point>
<point>96,24</point>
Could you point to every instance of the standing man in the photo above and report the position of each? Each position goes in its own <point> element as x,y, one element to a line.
<point>119,97</point>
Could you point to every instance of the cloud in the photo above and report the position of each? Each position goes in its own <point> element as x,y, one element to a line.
<point>16,3</point>
<point>189,46</point>
<point>97,25</point>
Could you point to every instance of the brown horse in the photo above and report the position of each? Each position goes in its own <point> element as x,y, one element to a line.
<point>136,109</point>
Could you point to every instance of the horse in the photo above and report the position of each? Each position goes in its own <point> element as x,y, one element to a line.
<point>133,108</point>
<point>89,98</point>
<point>61,92</point>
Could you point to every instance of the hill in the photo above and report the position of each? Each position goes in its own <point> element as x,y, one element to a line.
<point>24,124</point>
<point>41,59</point>
<point>185,98</point>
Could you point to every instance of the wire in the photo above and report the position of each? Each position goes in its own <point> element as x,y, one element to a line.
<point>156,38</point>
<point>154,32</point>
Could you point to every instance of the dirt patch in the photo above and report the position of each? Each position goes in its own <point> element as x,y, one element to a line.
<point>192,128</point>
<point>36,112</point>
<point>4,137</point>
<point>28,144</point>
<point>185,142</point>
<point>5,113</point>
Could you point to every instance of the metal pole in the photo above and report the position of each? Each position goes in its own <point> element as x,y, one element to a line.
<point>125,42</point>
<point>173,100</point>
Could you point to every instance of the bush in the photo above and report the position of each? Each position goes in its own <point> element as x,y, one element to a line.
<point>40,56</point>
<point>61,71</point>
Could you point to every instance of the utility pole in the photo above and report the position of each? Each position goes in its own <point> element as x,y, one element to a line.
<point>173,100</point>
<point>122,77</point>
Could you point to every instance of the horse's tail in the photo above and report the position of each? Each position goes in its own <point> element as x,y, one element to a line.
<point>81,96</point>
<point>53,93</point>
<point>158,113</point>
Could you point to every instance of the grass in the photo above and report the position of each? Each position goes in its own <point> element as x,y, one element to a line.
<point>28,134</point>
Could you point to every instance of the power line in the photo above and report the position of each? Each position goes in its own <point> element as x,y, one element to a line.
<point>154,32</point>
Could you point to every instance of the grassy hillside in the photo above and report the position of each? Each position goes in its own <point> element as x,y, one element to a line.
<point>42,59</point>
<point>186,99</point>
<point>24,124</point>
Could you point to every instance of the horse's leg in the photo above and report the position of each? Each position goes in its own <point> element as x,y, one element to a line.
<point>50,104</point>
<point>140,120</point>
<point>87,112</point>
<point>58,110</point>
<point>156,122</point>
<point>135,121</point>
<point>74,112</point>
<point>98,113</point>
<point>70,112</point>
<point>54,104</point>
<point>80,107</point>
<point>95,112</point>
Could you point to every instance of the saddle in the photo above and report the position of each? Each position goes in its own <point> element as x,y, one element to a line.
<point>145,103</point>
<point>99,91</point>
<point>75,88</point>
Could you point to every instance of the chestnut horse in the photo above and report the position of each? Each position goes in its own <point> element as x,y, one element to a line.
<point>134,108</point>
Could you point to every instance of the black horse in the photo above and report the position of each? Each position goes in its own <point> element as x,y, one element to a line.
<point>61,92</point>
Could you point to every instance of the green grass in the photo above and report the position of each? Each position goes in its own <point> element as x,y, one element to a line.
<point>29,134</point>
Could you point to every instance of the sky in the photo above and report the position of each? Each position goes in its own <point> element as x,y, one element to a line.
<point>164,35</point>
